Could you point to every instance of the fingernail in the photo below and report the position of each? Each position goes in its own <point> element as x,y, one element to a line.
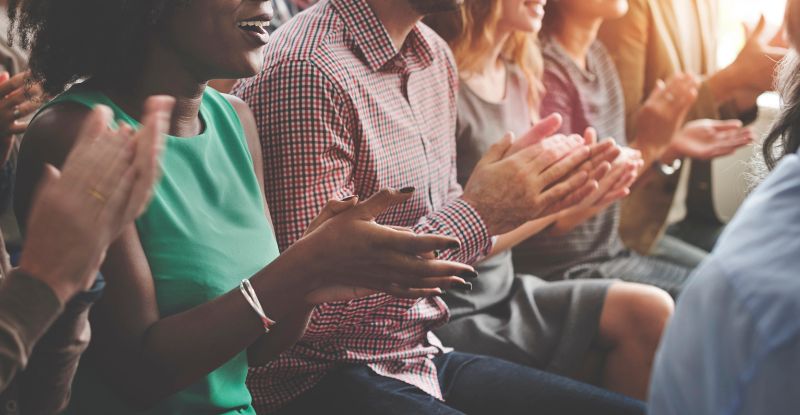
<point>454,245</point>
<point>409,189</point>
<point>464,286</point>
<point>351,197</point>
<point>469,275</point>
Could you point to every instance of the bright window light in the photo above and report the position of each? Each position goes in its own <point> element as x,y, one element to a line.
<point>733,13</point>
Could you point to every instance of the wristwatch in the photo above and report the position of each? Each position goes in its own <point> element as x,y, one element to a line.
<point>668,169</point>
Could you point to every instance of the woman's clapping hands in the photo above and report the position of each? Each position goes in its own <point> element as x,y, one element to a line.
<point>370,258</point>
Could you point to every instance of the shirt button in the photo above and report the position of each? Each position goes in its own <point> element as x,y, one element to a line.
<point>11,408</point>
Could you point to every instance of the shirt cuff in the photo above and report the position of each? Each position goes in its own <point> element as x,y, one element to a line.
<point>28,306</point>
<point>460,220</point>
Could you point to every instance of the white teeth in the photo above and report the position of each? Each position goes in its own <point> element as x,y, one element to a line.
<point>253,23</point>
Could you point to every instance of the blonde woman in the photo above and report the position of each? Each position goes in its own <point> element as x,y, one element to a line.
<point>561,326</point>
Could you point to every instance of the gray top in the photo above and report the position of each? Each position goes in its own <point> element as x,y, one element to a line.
<point>481,124</point>
<point>591,97</point>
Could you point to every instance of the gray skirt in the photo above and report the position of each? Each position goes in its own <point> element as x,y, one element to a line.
<point>547,325</point>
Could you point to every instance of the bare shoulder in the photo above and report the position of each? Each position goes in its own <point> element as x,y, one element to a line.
<point>49,139</point>
<point>247,119</point>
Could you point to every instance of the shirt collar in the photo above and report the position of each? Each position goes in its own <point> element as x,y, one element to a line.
<point>376,46</point>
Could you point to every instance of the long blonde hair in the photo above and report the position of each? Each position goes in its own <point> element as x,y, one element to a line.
<point>470,34</point>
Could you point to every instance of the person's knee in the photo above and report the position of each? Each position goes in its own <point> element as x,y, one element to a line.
<point>635,312</point>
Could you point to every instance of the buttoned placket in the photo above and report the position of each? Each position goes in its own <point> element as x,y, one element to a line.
<point>405,74</point>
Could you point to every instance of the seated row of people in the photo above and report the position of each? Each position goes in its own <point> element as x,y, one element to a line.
<point>272,242</point>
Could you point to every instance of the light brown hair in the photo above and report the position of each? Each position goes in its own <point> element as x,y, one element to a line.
<point>470,33</point>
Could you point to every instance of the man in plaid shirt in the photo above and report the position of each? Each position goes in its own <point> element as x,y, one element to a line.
<point>355,96</point>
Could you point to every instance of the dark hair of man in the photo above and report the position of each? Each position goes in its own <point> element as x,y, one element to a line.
<point>71,40</point>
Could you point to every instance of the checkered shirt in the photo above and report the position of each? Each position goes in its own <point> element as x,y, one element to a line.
<point>342,112</point>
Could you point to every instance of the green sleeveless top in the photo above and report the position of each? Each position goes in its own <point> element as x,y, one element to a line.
<point>204,232</point>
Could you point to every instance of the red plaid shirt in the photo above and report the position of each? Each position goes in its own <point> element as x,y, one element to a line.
<point>342,112</point>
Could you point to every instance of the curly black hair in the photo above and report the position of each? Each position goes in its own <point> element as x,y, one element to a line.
<point>71,40</point>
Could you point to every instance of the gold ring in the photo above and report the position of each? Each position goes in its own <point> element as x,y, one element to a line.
<point>97,195</point>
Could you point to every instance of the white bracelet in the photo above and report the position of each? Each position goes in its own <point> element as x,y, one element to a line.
<point>250,295</point>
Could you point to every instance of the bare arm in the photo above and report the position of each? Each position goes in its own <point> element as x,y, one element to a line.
<point>145,357</point>
<point>290,330</point>
<point>129,335</point>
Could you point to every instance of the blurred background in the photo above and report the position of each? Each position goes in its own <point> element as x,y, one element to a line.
<point>730,173</point>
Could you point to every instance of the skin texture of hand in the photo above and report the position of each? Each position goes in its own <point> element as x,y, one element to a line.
<point>509,189</point>
<point>663,115</point>
<point>596,167</point>
<point>19,99</point>
<point>106,182</point>
<point>372,258</point>
<point>614,183</point>
<point>754,68</point>
<point>758,59</point>
<point>709,139</point>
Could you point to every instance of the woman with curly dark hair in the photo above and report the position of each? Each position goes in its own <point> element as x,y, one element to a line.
<point>195,288</point>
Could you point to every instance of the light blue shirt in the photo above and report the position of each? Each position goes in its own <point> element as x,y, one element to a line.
<point>733,346</point>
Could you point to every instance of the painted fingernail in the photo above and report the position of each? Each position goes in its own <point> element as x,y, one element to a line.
<point>409,189</point>
<point>351,197</point>
<point>464,286</point>
<point>469,275</point>
<point>453,245</point>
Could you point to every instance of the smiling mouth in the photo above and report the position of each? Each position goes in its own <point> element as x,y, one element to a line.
<point>256,26</point>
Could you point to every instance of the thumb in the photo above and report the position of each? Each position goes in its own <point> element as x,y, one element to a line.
<point>4,77</point>
<point>330,210</point>
<point>158,113</point>
<point>726,125</point>
<point>498,150</point>
<point>756,32</point>
<point>383,200</point>
<point>50,176</point>
<point>590,136</point>
<point>779,39</point>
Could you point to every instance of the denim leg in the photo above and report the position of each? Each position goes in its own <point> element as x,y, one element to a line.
<point>480,385</point>
<point>358,390</point>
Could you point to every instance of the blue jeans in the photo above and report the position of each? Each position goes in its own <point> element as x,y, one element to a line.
<point>471,384</point>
